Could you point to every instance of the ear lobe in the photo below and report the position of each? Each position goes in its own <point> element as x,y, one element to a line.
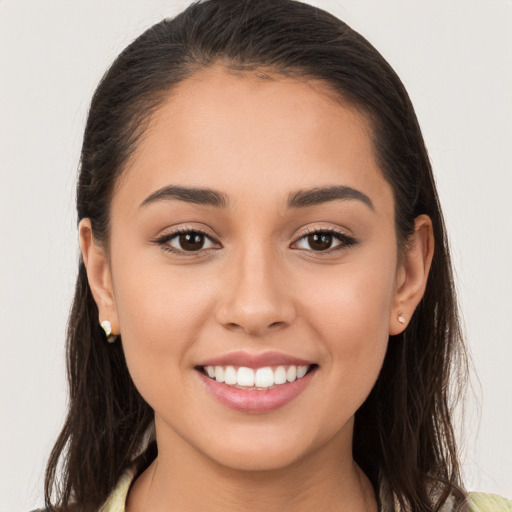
<point>98,275</point>
<point>412,274</point>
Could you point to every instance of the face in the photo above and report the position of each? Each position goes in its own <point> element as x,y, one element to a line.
<point>259,271</point>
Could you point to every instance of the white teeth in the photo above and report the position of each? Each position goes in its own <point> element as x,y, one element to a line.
<point>291,374</point>
<point>264,377</point>
<point>230,376</point>
<point>219,374</point>
<point>280,375</point>
<point>261,378</point>
<point>245,376</point>
<point>301,371</point>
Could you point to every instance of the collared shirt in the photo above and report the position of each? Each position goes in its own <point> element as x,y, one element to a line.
<point>478,502</point>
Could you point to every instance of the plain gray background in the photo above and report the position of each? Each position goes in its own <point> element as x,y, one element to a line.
<point>455,58</point>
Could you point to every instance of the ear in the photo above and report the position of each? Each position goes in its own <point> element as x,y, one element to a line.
<point>412,274</point>
<point>98,275</point>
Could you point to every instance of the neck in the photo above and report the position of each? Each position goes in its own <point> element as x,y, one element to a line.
<point>183,479</point>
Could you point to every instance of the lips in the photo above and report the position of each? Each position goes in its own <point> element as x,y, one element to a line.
<point>255,383</point>
<point>249,360</point>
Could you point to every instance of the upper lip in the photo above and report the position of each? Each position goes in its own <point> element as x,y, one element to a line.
<point>255,360</point>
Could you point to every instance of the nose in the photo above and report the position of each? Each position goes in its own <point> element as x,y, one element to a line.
<point>255,297</point>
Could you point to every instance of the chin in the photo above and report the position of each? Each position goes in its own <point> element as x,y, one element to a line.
<point>266,449</point>
<point>257,460</point>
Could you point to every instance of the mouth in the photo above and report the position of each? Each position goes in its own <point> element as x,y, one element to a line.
<point>256,379</point>
<point>257,390</point>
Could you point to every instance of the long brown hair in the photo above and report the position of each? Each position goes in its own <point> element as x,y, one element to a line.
<point>404,429</point>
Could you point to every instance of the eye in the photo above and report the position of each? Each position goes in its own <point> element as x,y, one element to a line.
<point>325,240</point>
<point>186,240</point>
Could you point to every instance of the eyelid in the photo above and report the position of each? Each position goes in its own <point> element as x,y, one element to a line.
<point>163,241</point>
<point>344,238</point>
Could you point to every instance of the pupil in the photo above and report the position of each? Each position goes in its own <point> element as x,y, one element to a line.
<point>320,241</point>
<point>191,241</point>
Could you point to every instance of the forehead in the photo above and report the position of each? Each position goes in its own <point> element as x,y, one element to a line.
<point>247,135</point>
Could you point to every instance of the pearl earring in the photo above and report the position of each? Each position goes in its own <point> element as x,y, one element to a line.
<point>401,319</point>
<point>107,327</point>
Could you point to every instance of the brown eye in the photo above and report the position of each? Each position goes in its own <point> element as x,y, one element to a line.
<point>186,240</point>
<point>326,241</point>
<point>320,241</point>
<point>191,241</point>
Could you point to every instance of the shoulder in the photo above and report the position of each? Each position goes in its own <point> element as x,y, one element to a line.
<point>483,502</point>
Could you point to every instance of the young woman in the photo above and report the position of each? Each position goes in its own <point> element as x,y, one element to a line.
<point>263,248</point>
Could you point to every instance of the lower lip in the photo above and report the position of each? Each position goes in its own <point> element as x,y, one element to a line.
<point>256,401</point>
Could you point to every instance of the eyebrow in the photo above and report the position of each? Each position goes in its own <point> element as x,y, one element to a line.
<point>297,199</point>
<point>318,195</point>
<point>205,196</point>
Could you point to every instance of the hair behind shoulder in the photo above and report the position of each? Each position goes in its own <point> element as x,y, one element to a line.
<point>404,429</point>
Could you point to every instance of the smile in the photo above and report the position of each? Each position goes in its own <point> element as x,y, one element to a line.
<point>255,390</point>
<point>255,378</point>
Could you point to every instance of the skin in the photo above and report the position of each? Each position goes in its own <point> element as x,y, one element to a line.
<point>259,287</point>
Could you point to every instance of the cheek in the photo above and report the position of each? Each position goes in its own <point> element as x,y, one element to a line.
<point>349,311</point>
<point>350,301</point>
<point>155,298</point>
<point>160,313</point>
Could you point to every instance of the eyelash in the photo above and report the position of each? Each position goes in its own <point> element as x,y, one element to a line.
<point>345,240</point>
<point>165,239</point>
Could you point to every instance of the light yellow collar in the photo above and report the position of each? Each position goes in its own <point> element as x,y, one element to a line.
<point>117,500</point>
